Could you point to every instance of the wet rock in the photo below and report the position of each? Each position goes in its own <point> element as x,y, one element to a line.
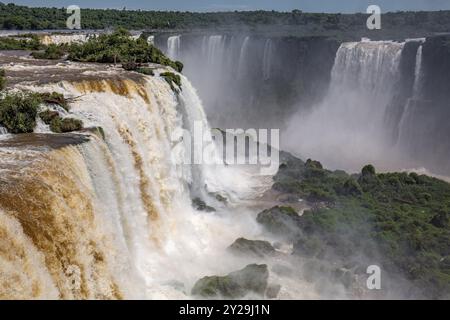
<point>252,279</point>
<point>200,205</point>
<point>252,247</point>
<point>280,220</point>
<point>272,291</point>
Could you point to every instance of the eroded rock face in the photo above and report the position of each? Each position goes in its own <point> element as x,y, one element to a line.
<point>250,280</point>
<point>256,248</point>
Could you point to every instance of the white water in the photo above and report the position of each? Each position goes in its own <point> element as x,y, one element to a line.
<point>346,130</point>
<point>173,47</point>
<point>243,57</point>
<point>154,244</point>
<point>267,59</point>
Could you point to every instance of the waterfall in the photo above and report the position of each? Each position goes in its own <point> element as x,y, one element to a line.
<point>3,130</point>
<point>173,47</point>
<point>243,57</point>
<point>403,124</point>
<point>213,49</point>
<point>113,218</point>
<point>418,73</point>
<point>267,59</point>
<point>346,130</point>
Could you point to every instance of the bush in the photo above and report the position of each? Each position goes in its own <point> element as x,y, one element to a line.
<point>32,42</point>
<point>18,112</point>
<point>146,71</point>
<point>52,52</point>
<point>119,47</point>
<point>55,98</point>
<point>47,116</point>
<point>59,125</point>
<point>2,79</point>
<point>172,79</point>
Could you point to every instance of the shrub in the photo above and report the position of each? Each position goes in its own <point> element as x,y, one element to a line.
<point>172,79</point>
<point>47,116</point>
<point>119,47</point>
<point>146,71</point>
<point>18,112</point>
<point>32,42</point>
<point>52,52</point>
<point>59,125</point>
<point>55,98</point>
<point>2,79</point>
<point>368,170</point>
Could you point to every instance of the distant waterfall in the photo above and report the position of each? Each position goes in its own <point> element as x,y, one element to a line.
<point>404,125</point>
<point>267,59</point>
<point>3,130</point>
<point>243,56</point>
<point>418,73</point>
<point>213,49</point>
<point>347,130</point>
<point>173,47</point>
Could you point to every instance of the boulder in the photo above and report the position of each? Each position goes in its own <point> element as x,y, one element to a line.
<point>201,205</point>
<point>280,220</point>
<point>250,280</point>
<point>252,247</point>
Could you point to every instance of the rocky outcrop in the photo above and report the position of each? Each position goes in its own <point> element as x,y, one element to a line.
<point>250,280</point>
<point>280,220</point>
<point>256,248</point>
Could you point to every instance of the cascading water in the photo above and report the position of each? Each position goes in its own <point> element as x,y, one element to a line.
<point>173,47</point>
<point>243,57</point>
<point>347,129</point>
<point>267,59</point>
<point>113,218</point>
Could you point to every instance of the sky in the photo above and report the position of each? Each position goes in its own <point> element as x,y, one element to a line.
<point>344,6</point>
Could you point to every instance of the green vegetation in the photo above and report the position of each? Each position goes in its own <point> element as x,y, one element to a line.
<point>2,79</point>
<point>18,112</point>
<point>26,18</point>
<point>400,220</point>
<point>51,52</point>
<point>172,79</point>
<point>62,125</point>
<point>31,42</point>
<point>256,248</point>
<point>119,47</point>
<point>55,99</point>
<point>252,279</point>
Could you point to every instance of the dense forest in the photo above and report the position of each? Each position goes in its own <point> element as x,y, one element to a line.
<point>14,17</point>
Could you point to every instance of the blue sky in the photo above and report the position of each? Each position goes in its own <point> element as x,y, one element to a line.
<point>226,5</point>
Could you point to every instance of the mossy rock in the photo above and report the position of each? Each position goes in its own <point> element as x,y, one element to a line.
<point>59,125</point>
<point>257,248</point>
<point>250,280</point>
<point>48,115</point>
<point>280,220</point>
<point>172,79</point>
